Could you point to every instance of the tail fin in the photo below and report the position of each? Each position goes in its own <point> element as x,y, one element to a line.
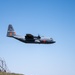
<point>10,32</point>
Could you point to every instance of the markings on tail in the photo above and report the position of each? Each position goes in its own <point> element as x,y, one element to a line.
<point>10,32</point>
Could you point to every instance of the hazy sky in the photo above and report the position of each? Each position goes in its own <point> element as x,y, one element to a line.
<point>52,18</point>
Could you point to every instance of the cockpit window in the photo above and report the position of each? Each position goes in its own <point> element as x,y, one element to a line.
<point>51,39</point>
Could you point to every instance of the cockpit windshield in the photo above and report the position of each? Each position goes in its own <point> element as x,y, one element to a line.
<point>51,39</point>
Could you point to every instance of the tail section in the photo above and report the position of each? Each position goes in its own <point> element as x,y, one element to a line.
<point>10,32</point>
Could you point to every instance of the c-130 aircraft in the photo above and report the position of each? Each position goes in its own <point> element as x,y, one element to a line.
<point>28,38</point>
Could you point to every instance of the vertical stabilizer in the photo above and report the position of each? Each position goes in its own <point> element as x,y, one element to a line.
<point>10,32</point>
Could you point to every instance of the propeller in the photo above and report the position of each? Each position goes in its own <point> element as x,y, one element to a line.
<point>39,36</point>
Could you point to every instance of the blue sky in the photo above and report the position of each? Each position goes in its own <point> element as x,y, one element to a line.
<point>52,18</point>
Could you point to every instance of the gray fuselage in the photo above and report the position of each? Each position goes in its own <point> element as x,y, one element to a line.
<point>35,40</point>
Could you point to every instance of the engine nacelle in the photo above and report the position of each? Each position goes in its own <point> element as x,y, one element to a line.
<point>29,36</point>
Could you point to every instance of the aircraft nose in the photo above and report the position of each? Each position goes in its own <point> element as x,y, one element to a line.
<point>54,41</point>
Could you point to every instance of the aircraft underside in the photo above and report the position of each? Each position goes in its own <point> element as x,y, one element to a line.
<point>34,41</point>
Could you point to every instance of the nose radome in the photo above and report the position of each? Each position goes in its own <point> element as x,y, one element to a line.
<point>54,41</point>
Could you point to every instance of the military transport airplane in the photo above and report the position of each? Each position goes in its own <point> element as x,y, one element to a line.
<point>29,38</point>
